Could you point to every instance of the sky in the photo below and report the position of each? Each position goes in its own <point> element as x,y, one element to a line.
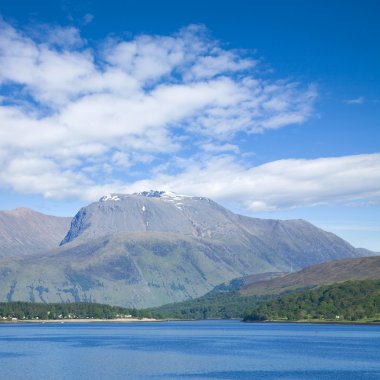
<point>270,108</point>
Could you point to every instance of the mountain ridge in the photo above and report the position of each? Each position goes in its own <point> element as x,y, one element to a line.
<point>24,231</point>
<point>361,268</point>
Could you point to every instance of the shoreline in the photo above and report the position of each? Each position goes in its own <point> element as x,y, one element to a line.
<point>145,320</point>
<point>319,322</point>
<point>83,320</point>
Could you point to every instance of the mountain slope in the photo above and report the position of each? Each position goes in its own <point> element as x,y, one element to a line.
<point>297,242</point>
<point>122,269</point>
<point>241,282</point>
<point>363,268</point>
<point>26,232</point>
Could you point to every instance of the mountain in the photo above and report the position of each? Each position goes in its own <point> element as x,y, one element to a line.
<point>363,268</point>
<point>26,232</point>
<point>273,244</point>
<point>156,247</point>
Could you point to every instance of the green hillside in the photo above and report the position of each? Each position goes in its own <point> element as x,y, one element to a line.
<point>348,301</point>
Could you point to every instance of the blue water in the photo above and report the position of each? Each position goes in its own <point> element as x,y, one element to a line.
<point>189,350</point>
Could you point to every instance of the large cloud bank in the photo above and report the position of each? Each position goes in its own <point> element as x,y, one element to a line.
<point>79,120</point>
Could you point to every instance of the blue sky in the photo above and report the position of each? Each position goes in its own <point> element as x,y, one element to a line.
<point>270,108</point>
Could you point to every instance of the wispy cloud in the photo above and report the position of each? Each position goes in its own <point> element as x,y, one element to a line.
<point>352,227</point>
<point>87,19</point>
<point>219,148</point>
<point>359,100</point>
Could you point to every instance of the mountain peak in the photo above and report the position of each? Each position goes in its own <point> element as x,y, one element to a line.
<point>111,197</point>
<point>156,194</point>
<point>161,194</point>
<point>148,194</point>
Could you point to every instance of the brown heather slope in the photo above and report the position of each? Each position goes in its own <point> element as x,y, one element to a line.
<point>363,268</point>
<point>25,232</point>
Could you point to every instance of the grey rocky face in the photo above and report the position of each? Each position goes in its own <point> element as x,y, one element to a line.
<point>156,211</point>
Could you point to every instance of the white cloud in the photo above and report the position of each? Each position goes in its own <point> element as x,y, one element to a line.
<point>58,36</point>
<point>278,184</point>
<point>221,62</point>
<point>71,114</point>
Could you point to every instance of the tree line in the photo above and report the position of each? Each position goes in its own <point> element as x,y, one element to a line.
<point>212,306</point>
<point>75,310</point>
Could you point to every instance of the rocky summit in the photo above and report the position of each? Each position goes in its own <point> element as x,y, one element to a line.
<point>156,247</point>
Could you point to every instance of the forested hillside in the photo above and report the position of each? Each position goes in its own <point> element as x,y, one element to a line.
<point>350,301</point>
